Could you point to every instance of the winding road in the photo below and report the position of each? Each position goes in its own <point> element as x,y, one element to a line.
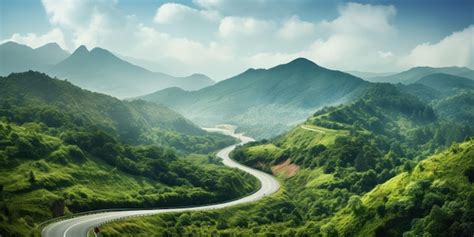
<point>79,226</point>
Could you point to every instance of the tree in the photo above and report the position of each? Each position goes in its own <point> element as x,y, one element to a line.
<point>356,205</point>
<point>32,177</point>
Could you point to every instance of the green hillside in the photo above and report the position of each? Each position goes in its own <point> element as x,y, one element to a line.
<point>264,102</point>
<point>65,150</point>
<point>46,173</point>
<point>333,163</point>
<point>436,198</point>
<point>35,97</point>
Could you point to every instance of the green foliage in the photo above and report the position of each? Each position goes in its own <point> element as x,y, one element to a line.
<point>362,172</point>
<point>65,150</point>
<point>62,107</point>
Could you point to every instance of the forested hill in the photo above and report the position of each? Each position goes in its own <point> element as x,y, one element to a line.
<point>35,97</point>
<point>265,102</point>
<point>65,150</point>
<point>361,169</point>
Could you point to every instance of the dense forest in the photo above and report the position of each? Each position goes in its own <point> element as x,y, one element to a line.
<point>65,150</point>
<point>383,165</point>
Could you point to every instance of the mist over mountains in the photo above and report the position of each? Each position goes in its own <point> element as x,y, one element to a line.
<point>97,70</point>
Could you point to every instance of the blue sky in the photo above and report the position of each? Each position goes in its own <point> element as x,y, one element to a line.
<point>200,34</point>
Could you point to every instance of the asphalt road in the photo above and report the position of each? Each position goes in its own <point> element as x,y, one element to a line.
<point>79,226</point>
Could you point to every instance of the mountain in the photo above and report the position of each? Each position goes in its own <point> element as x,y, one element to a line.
<point>100,70</point>
<point>446,82</point>
<point>372,167</point>
<point>414,74</point>
<point>65,150</point>
<point>451,96</point>
<point>18,58</point>
<point>35,97</point>
<point>264,102</point>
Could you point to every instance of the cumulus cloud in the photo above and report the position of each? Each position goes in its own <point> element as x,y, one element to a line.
<point>295,28</point>
<point>184,21</point>
<point>456,49</point>
<point>33,40</point>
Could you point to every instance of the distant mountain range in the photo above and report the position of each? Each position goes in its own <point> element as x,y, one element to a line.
<point>97,70</point>
<point>264,102</point>
<point>18,58</point>
<point>414,74</point>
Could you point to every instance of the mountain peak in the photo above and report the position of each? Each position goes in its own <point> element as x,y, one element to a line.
<point>53,45</point>
<point>302,61</point>
<point>298,64</point>
<point>12,44</point>
<point>81,50</point>
<point>99,50</point>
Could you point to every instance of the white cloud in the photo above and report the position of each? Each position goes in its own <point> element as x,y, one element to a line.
<point>236,27</point>
<point>184,21</point>
<point>294,28</point>
<point>456,49</point>
<point>358,18</point>
<point>174,12</point>
<point>33,40</point>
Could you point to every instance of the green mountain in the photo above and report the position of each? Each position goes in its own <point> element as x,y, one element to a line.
<point>451,96</point>
<point>35,97</point>
<point>100,70</point>
<point>414,74</point>
<point>264,102</point>
<point>19,58</point>
<point>446,82</point>
<point>65,150</point>
<point>365,168</point>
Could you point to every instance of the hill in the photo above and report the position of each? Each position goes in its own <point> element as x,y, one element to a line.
<point>35,97</point>
<point>451,96</point>
<point>264,102</point>
<point>65,150</point>
<point>446,82</point>
<point>100,70</point>
<point>19,58</point>
<point>414,74</point>
<point>351,170</point>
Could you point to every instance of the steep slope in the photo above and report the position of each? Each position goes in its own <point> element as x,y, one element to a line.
<point>264,102</point>
<point>18,58</point>
<point>435,198</point>
<point>414,74</point>
<point>100,70</point>
<point>35,97</point>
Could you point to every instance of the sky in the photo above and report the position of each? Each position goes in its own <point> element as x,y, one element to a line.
<point>222,38</point>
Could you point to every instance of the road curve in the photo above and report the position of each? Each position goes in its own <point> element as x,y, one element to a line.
<point>79,226</point>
